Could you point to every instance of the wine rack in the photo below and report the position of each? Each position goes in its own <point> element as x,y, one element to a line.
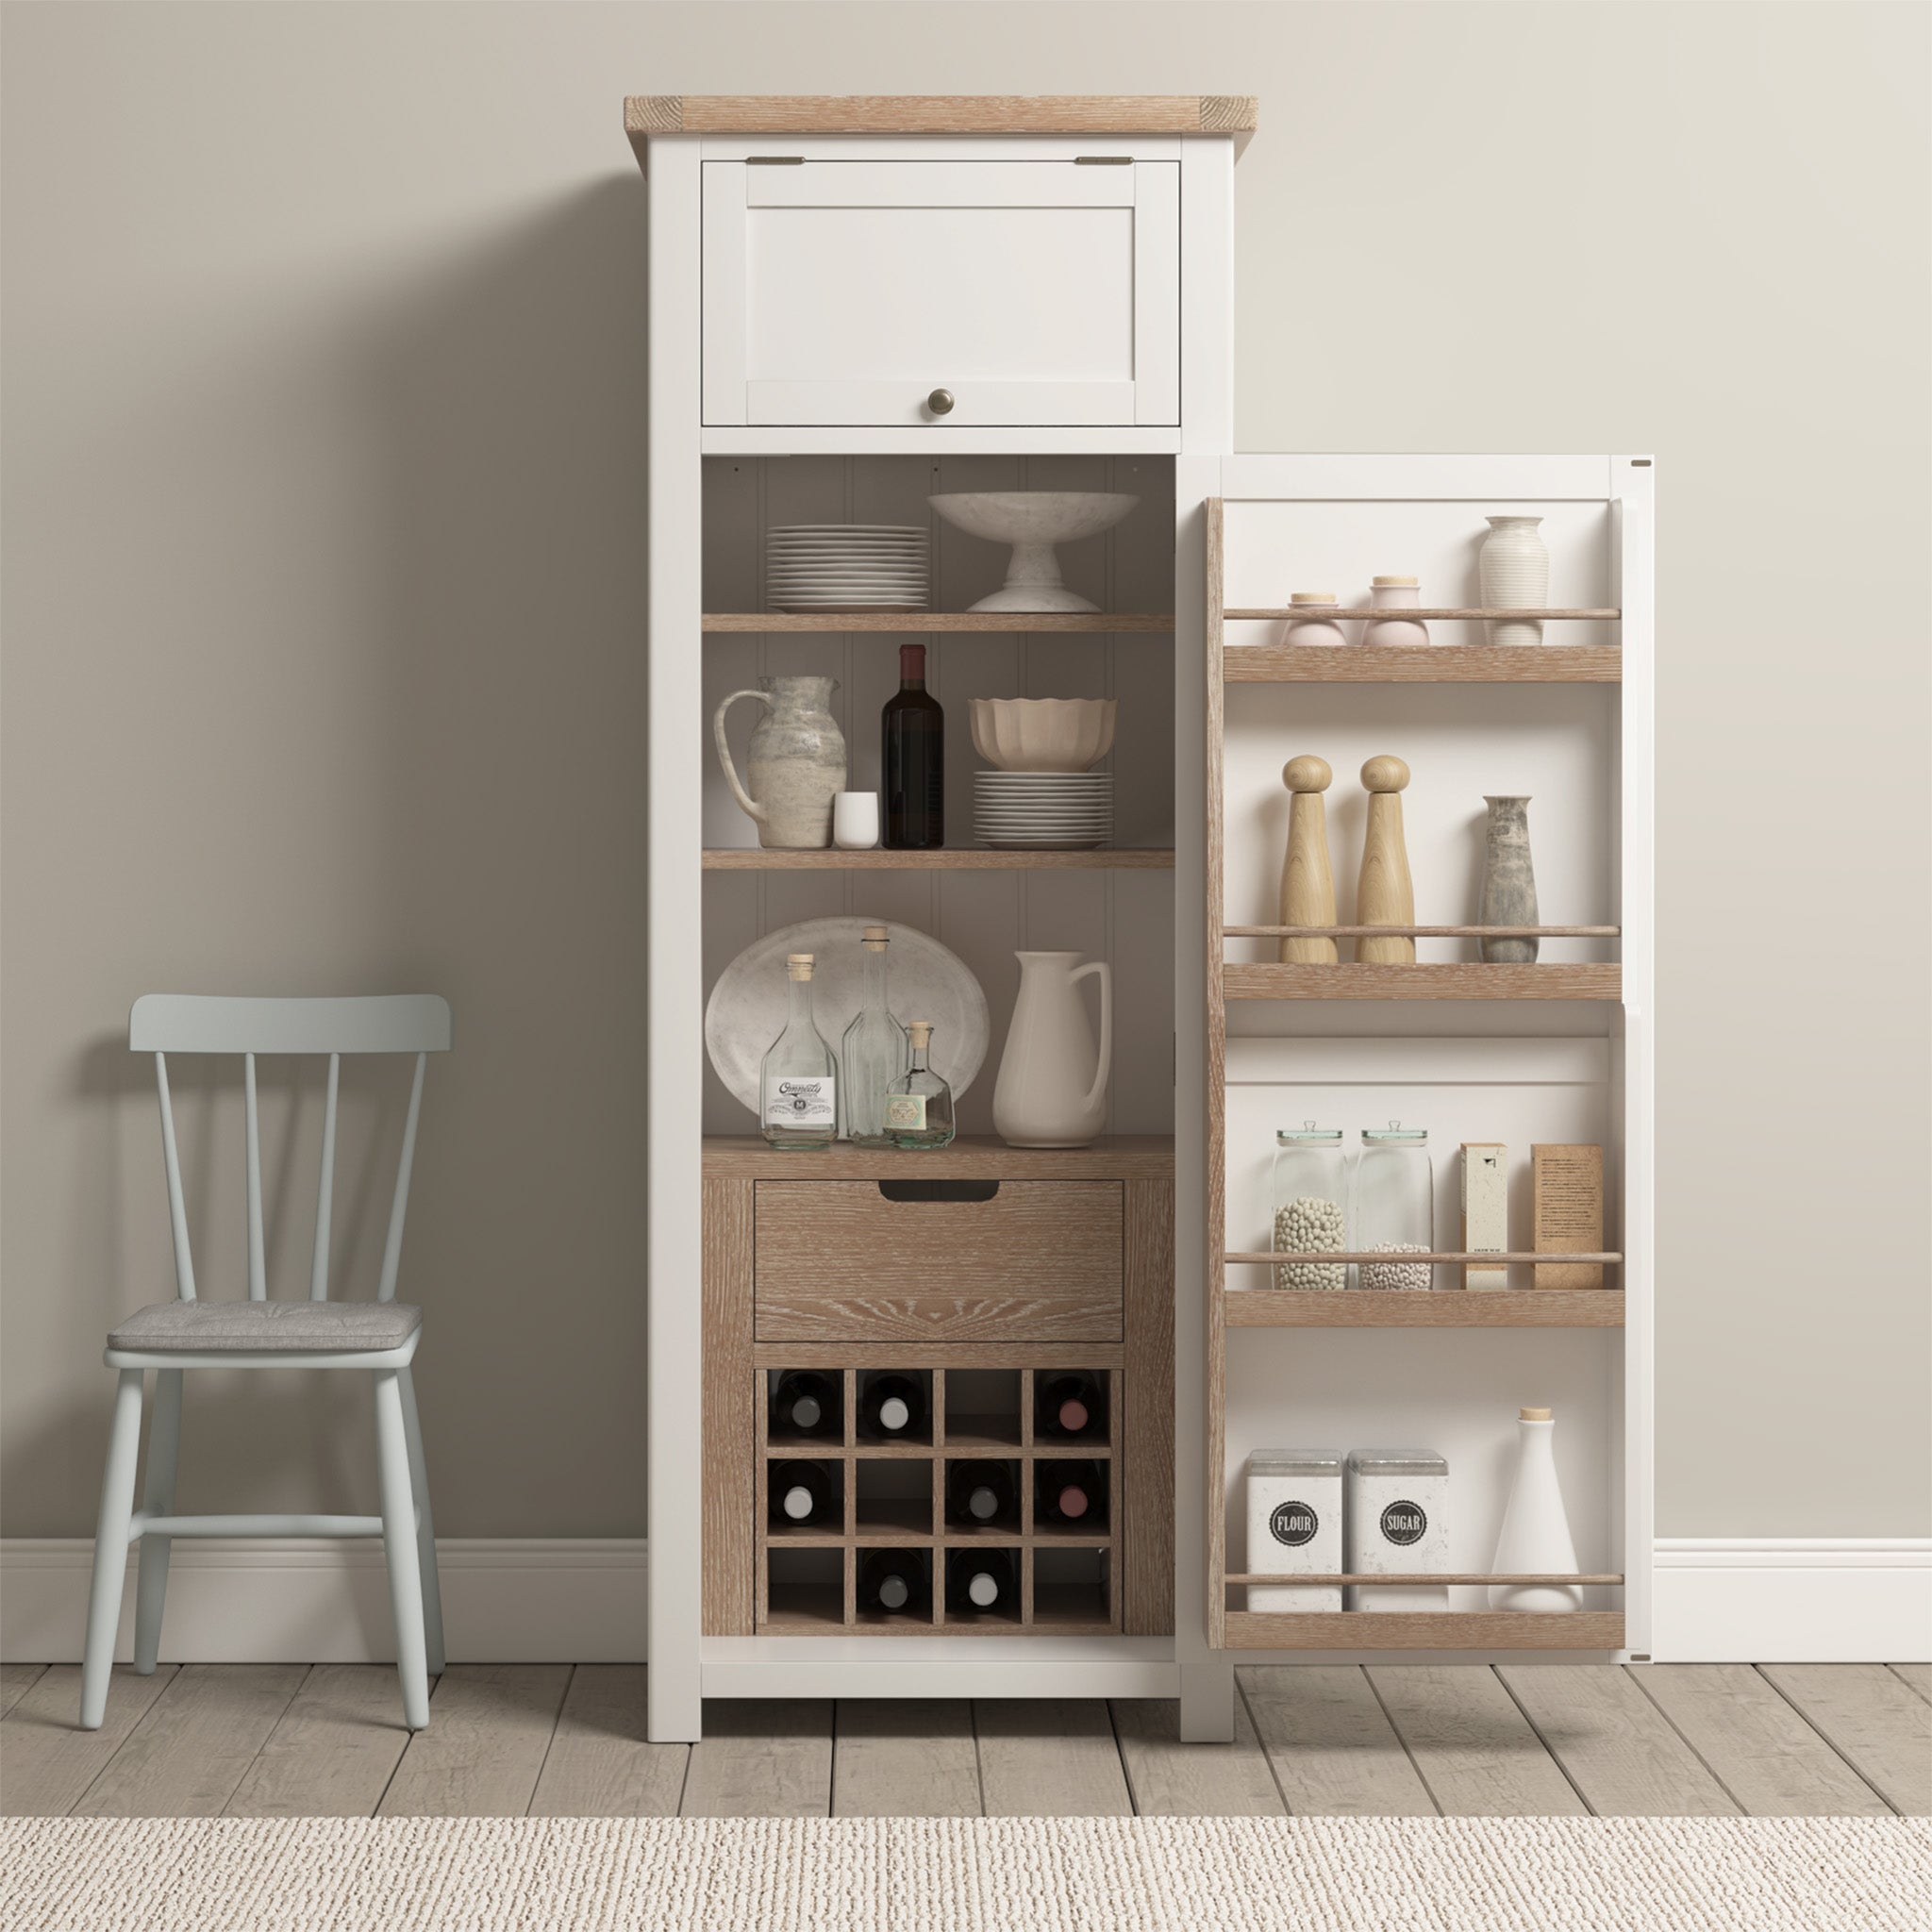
<point>890,1494</point>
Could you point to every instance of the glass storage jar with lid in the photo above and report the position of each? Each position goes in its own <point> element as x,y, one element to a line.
<point>1396,1206</point>
<point>1310,1207</point>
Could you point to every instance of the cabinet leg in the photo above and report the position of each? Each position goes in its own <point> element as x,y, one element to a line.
<point>1207,1700</point>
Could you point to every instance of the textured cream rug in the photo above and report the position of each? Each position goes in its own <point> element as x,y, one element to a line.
<point>1024,1875</point>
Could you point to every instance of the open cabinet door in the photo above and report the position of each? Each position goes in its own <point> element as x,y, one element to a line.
<point>1435,1022</point>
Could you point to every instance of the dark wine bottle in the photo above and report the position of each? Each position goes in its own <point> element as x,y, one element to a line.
<point>913,760</point>
<point>980,1493</point>
<point>800,1494</point>
<point>1070,1405</point>
<point>893,1583</point>
<point>892,1406</point>
<point>1070,1493</point>
<point>981,1580</point>
<point>805,1404</point>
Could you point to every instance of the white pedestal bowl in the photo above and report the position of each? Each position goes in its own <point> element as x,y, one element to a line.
<point>1033,521</point>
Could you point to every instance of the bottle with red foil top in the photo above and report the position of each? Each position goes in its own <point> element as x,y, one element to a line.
<point>912,760</point>
<point>1070,1405</point>
<point>1073,1494</point>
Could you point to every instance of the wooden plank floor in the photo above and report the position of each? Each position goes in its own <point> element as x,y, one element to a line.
<point>1651,1740</point>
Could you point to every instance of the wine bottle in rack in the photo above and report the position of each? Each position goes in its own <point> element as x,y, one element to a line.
<point>801,1495</point>
<point>981,1492</point>
<point>805,1404</point>
<point>1073,1493</point>
<point>892,1406</point>
<point>892,1583</point>
<point>913,760</point>
<point>1070,1405</point>
<point>981,1580</point>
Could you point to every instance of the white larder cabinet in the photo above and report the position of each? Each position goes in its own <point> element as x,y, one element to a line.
<point>946,293</point>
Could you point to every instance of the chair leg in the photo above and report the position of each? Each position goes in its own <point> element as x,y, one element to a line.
<point>426,1529</point>
<point>110,1551</point>
<point>399,1548</point>
<point>151,1584</point>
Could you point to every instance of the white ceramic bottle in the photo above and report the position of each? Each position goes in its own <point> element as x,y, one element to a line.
<point>1536,1532</point>
<point>1514,567</point>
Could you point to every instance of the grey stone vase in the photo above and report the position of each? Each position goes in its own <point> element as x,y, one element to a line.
<point>797,760</point>
<point>1509,881</point>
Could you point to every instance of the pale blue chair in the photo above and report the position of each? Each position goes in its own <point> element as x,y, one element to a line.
<point>174,1337</point>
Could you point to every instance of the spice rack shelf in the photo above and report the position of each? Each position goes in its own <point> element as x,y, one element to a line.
<point>1424,1630</point>
<point>757,859</point>
<point>945,623</point>
<point>1422,663</point>
<point>1466,979</point>
<point>1530,1308</point>
<point>1071,1594</point>
<point>1337,518</point>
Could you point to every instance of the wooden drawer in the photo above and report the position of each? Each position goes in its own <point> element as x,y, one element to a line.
<point>848,292</point>
<point>840,1262</point>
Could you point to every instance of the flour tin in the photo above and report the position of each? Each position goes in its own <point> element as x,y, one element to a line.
<point>1398,1524</point>
<point>1295,1524</point>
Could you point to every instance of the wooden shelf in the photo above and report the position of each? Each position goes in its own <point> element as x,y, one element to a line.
<point>1343,1578</point>
<point>975,1156</point>
<point>1352,1308</point>
<point>645,115</point>
<point>1465,980</point>
<point>755,858</point>
<point>1422,664</point>
<point>955,623</point>
<point>1493,1258</point>
<point>1303,612</point>
<point>1424,1630</point>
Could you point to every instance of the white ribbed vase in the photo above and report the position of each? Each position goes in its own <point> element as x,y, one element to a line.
<point>1515,573</point>
<point>1536,1539</point>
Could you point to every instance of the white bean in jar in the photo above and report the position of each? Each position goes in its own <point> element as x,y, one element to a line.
<point>1310,1225</point>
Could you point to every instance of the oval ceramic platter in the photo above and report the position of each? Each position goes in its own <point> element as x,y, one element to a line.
<point>924,981</point>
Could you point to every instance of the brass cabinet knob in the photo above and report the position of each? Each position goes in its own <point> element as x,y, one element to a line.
<point>940,402</point>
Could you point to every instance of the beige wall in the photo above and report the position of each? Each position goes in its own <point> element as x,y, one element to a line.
<point>323,511</point>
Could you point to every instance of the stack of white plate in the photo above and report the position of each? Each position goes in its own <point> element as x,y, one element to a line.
<point>846,567</point>
<point>1055,811</point>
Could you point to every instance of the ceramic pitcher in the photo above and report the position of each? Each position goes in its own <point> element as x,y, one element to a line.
<point>797,759</point>
<point>1052,1089</point>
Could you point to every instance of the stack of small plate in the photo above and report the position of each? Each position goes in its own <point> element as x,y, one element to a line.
<point>1050,811</point>
<point>846,567</point>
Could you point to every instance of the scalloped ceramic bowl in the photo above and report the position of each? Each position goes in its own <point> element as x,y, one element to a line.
<point>1043,734</point>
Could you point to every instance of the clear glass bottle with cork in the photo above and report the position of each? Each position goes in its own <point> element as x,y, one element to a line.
<point>873,1052</point>
<point>919,1104</point>
<point>798,1082</point>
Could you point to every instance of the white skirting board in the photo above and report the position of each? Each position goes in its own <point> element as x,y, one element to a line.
<point>1793,1600</point>
<point>305,1600</point>
<point>541,1600</point>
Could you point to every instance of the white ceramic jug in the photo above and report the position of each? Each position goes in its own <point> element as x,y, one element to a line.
<point>1052,1089</point>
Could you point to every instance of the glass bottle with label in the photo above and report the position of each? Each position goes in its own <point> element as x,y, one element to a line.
<point>1396,1206</point>
<point>798,1084</point>
<point>873,1052</point>
<point>919,1104</point>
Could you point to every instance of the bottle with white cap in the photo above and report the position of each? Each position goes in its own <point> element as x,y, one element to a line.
<point>801,1495</point>
<point>1536,1539</point>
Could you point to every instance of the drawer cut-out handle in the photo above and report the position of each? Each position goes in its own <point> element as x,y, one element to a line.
<point>938,1191</point>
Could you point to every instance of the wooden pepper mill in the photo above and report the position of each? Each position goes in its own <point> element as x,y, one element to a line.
<point>1307,884</point>
<point>1383,894</point>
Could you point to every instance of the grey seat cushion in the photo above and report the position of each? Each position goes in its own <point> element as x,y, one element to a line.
<point>267,1327</point>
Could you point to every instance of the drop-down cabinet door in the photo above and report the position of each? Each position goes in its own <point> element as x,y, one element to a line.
<point>943,294</point>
